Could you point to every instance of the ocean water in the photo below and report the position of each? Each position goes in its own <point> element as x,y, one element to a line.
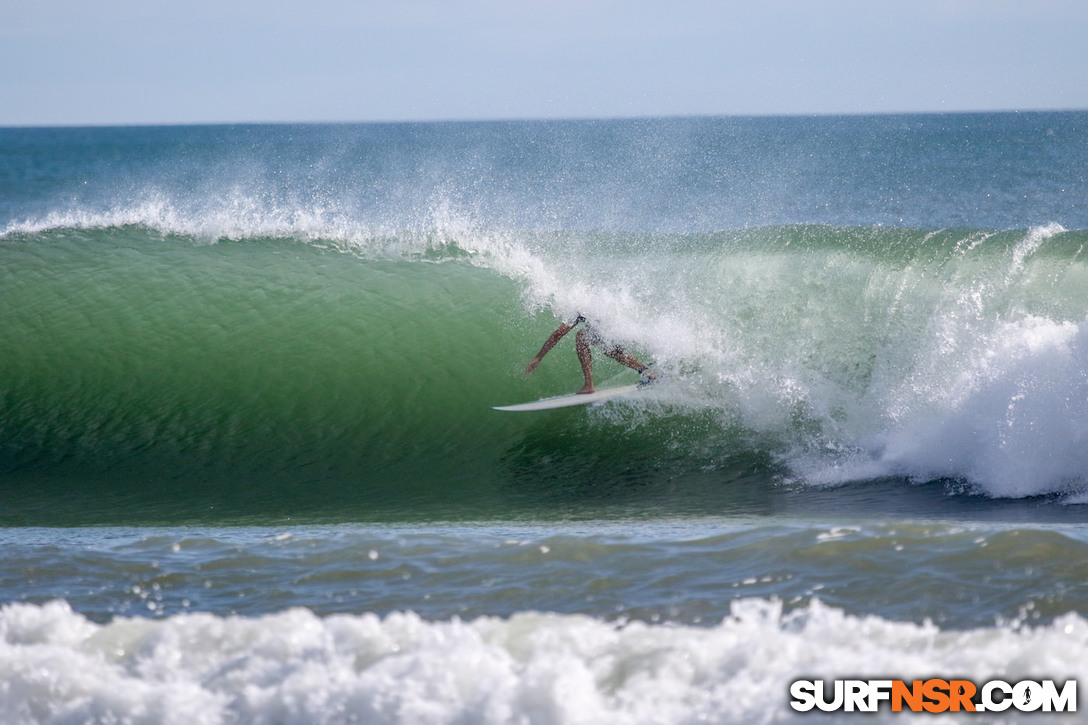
<point>250,472</point>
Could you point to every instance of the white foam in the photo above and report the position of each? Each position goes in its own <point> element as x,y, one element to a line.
<point>978,372</point>
<point>293,667</point>
<point>1016,423</point>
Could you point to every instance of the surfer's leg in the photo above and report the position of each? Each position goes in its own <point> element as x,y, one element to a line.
<point>623,358</point>
<point>585,357</point>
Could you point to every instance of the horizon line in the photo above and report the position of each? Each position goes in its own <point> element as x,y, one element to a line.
<point>538,119</point>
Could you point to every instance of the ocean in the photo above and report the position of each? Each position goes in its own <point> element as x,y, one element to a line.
<point>250,471</point>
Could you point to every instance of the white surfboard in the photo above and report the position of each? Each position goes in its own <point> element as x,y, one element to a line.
<point>565,401</point>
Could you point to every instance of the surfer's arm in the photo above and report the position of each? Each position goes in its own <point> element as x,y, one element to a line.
<point>555,337</point>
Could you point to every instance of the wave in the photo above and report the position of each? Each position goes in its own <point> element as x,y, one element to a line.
<point>292,351</point>
<point>545,668</point>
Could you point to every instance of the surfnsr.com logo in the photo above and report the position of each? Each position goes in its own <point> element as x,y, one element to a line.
<point>934,695</point>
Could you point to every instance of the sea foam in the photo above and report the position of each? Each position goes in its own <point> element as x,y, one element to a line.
<point>1016,420</point>
<point>294,667</point>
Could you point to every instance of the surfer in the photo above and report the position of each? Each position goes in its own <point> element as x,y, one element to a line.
<point>588,336</point>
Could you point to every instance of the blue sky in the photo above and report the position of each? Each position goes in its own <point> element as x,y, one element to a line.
<point>151,61</point>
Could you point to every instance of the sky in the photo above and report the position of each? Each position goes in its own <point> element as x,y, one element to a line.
<point>80,62</point>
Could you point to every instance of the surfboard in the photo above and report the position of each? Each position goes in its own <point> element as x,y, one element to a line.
<point>565,401</point>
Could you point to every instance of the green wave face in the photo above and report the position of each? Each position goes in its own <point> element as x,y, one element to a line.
<point>148,375</point>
